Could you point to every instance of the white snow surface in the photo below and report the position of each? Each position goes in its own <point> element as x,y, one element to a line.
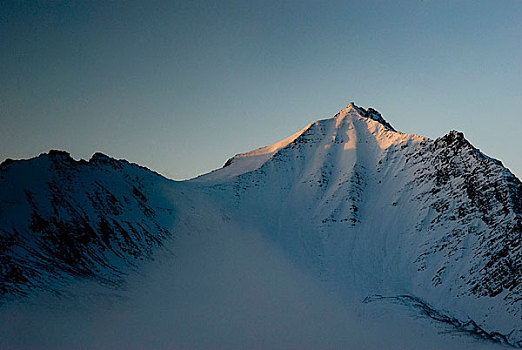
<point>221,287</point>
<point>278,250</point>
<point>249,161</point>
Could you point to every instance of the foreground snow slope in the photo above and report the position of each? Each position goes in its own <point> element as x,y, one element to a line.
<point>375,215</point>
<point>223,288</point>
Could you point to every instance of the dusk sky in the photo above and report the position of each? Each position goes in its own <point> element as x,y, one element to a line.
<point>180,86</point>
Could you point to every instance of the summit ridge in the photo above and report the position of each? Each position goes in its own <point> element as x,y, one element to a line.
<point>366,113</point>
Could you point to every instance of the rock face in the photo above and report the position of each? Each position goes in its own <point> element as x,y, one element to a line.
<point>484,200</point>
<point>361,206</point>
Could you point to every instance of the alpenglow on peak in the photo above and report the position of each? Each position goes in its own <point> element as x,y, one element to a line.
<point>366,113</point>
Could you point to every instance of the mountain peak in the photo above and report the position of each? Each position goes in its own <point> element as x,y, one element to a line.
<point>365,113</point>
<point>339,130</point>
<point>352,107</point>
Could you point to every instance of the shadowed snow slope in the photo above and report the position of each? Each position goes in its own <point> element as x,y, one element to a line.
<point>345,209</point>
<point>226,288</point>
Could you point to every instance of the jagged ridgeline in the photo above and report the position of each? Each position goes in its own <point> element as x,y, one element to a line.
<point>350,199</point>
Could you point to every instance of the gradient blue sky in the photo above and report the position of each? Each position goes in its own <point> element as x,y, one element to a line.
<point>180,87</point>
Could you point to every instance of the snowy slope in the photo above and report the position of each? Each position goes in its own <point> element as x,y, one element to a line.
<point>393,213</point>
<point>61,219</point>
<point>223,287</point>
<point>371,213</point>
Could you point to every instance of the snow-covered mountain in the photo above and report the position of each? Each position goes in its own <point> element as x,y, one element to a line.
<point>435,225</point>
<point>361,203</point>
<point>62,219</point>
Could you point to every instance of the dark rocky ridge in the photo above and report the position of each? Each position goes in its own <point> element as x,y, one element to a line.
<point>62,219</point>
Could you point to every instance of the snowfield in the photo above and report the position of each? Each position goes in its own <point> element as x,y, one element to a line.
<point>348,234</point>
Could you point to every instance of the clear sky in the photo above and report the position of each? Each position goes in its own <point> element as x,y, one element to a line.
<point>180,86</point>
